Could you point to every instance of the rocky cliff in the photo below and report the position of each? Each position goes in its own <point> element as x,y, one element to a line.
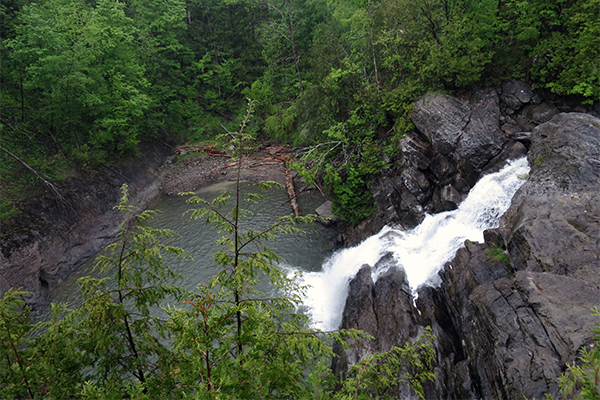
<point>57,235</point>
<point>505,330</point>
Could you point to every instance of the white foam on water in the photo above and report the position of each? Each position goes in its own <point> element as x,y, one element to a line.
<point>422,252</point>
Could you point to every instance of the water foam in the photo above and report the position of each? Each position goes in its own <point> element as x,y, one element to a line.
<point>422,252</point>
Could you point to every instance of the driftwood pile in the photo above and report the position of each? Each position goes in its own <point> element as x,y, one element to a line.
<point>202,148</point>
<point>275,156</point>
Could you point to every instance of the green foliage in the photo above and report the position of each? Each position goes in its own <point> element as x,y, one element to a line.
<point>568,59</point>
<point>77,67</point>
<point>497,254</point>
<point>7,210</point>
<point>250,344</point>
<point>349,163</point>
<point>352,199</point>
<point>45,366</point>
<point>539,160</point>
<point>83,82</point>
<point>582,379</point>
<point>378,375</point>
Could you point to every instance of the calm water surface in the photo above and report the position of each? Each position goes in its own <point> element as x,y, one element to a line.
<point>304,252</point>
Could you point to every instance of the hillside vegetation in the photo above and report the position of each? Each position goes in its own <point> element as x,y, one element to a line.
<point>83,82</point>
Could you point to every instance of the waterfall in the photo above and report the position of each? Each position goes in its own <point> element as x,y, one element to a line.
<point>422,252</point>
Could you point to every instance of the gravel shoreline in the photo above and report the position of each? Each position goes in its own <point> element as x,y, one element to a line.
<point>193,173</point>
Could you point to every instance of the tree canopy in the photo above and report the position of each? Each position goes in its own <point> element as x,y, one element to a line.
<point>83,82</point>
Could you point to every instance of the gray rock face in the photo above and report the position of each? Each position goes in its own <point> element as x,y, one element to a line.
<point>553,225</point>
<point>506,330</point>
<point>515,94</point>
<point>467,133</point>
<point>40,260</point>
<point>441,119</point>
<point>383,309</point>
<point>540,113</point>
<point>482,138</point>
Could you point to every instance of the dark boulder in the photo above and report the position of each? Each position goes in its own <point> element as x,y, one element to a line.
<point>441,119</point>
<point>515,94</point>
<point>384,309</point>
<point>482,138</point>
<point>540,113</point>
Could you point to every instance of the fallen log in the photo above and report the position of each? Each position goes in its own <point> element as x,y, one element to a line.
<point>281,158</point>
<point>203,148</point>
<point>289,185</point>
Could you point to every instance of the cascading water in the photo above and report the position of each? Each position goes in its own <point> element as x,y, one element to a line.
<point>422,252</point>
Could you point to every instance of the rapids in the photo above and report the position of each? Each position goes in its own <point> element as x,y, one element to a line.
<point>422,252</point>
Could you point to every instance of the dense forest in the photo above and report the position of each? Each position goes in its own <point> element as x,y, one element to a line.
<point>84,81</point>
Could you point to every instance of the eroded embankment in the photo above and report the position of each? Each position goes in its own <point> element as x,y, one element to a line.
<point>55,235</point>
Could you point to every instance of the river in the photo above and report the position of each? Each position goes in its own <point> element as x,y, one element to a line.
<point>305,251</point>
<point>422,252</point>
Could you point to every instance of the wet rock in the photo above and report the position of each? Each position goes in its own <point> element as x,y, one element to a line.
<point>416,183</point>
<point>383,309</point>
<point>515,94</point>
<point>482,138</point>
<point>443,170</point>
<point>511,151</point>
<point>510,129</point>
<point>456,142</point>
<point>416,152</point>
<point>540,113</point>
<point>525,329</point>
<point>358,314</point>
<point>524,137</point>
<point>325,214</point>
<point>450,198</point>
<point>393,305</point>
<point>441,119</point>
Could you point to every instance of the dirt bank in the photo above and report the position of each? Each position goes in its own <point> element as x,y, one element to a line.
<point>54,236</point>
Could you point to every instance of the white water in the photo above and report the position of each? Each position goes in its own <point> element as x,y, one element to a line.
<point>422,252</point>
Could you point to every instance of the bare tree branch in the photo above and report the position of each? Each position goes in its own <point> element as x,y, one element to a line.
<point>50,186</point>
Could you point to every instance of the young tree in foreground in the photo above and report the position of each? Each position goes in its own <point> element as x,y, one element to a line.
<point>235,340</point>
<point>120,330</point>
<point>227,340</point>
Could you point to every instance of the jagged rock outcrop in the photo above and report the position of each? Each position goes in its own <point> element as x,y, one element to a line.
<point>562,195</point>
<point>441,119</point>
<point>384,309</point>
<point>505,330</point>
<point>456,141</point>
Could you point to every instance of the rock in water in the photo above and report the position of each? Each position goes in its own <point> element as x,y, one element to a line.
<point>505,326</point>
<point>521,323</point>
